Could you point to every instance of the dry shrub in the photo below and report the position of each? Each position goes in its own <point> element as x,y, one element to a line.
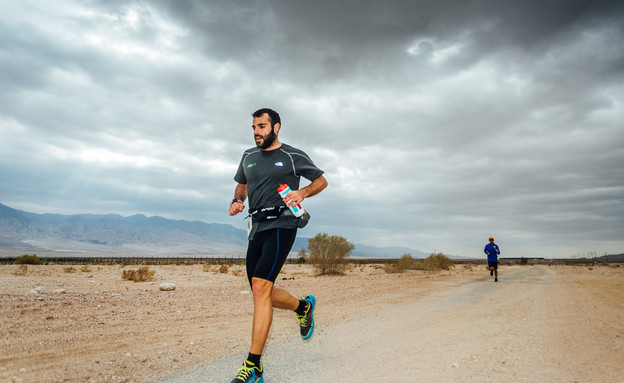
<point>436,262</point>
<point>143,274</point>
<point>224,269</point>
<point>329,254</point>
<point>21,270</point>
<point>69,269</point>
<point>207,268</point>
<point>85,268</point>
<point>406,262</point>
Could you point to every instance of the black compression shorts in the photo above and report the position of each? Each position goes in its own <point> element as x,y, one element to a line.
<point>267,252</point>
<point>493,264</point>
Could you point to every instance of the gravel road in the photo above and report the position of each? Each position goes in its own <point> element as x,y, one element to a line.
<point>523,328</point>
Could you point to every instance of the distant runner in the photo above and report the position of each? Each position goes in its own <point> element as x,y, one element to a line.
<point>492,251</point>
<point>272,229</point>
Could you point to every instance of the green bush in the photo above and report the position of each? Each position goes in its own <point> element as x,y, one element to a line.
<point>29,260</point>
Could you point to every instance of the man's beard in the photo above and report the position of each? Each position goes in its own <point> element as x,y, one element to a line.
<point>267,140</point>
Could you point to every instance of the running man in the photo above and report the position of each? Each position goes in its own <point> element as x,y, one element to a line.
<point>272,229</point>
<point>492,251</point>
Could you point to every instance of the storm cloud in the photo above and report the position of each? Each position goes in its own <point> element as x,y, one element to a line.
<point>438,123</point>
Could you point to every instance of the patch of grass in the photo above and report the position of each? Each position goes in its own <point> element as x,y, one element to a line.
<point>142,274</point>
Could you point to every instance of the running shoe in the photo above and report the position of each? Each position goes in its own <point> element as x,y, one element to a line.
<point>306,321</point>
<point>495,279</point>
<point>249,373</point>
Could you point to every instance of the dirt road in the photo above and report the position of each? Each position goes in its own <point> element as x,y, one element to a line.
<point>84,323</point>
<point>537,324</point>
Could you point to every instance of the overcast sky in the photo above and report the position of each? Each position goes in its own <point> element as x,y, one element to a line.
<point>438,123</point>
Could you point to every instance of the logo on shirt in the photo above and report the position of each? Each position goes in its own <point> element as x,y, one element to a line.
<point>279,164</point>
<point>251,165</point>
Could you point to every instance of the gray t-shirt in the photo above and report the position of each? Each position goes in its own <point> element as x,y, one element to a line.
<point>263,172</point>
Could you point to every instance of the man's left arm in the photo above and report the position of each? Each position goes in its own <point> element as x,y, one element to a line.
<point>295,197</point>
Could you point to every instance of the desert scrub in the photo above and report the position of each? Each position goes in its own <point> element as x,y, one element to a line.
<point>142,274</point>
<point>85,269</point>
<point>69,269</point>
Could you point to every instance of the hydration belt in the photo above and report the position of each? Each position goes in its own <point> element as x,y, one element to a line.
<point>271,213</point>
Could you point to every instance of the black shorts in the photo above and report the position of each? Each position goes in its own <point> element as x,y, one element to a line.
<point>493,264</point>
<point>267,252</point>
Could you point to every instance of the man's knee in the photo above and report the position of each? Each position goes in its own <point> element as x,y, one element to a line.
<point>261,288</point>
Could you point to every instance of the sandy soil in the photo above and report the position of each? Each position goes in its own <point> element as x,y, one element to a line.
<point>559,323</point>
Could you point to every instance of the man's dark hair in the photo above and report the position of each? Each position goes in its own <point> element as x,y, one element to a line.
<point>274,117</point>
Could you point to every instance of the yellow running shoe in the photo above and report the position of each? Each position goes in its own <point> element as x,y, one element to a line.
<point>306,325</point>
<point>249,373</point>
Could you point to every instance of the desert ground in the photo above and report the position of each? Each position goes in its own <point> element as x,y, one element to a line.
<point>77,323</point>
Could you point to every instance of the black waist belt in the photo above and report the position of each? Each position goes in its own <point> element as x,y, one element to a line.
<point>274,212</point>
<point>269,213</point>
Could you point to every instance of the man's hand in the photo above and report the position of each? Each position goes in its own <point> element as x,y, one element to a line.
<point>294,198</point>
<point>240,194</point>
<point>235,208</point>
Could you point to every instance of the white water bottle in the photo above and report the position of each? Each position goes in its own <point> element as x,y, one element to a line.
<point>297,210</point>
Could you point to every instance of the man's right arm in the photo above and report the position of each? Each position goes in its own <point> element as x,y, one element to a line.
<point>240,195</point>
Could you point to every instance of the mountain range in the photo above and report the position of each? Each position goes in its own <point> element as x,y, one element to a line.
<point>112,234</point>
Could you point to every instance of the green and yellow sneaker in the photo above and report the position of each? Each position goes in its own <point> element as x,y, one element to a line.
<point>306,325</point>
<point>249,373</point>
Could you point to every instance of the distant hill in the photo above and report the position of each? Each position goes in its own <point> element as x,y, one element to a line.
<point>610,257</point>
<point>96,234</point>
<point>87,233</point>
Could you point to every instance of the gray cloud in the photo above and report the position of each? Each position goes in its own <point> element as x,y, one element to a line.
<point>438,123</point>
